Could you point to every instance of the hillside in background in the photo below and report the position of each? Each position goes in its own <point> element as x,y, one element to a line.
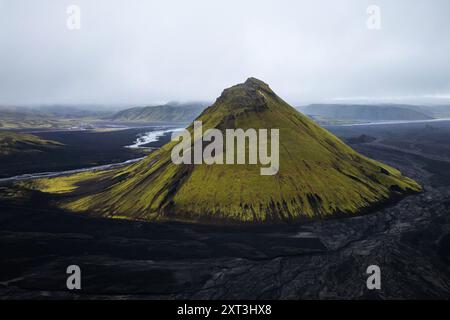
<point>366,112</point>
<point>319,175</point>
<point>438,111</point>
<point>12,143</point>
<point>171,112</point>
<point>50,116</point>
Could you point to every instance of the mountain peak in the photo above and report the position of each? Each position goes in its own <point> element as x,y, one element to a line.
<point>250,85</point>
<point>255,82</point>
<point>250,95</point>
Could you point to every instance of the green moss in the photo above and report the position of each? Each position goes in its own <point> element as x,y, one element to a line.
<point>15,143</point>
<point>60,185</point>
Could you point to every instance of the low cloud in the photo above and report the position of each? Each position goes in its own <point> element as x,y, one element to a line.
<point>142,52</point>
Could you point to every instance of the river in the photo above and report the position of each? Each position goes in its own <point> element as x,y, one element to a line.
<point>142,139</point>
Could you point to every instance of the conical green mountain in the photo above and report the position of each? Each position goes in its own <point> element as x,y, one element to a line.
<point>319,175</point>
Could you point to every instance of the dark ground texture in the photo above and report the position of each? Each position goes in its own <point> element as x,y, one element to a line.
<point>409,240</point>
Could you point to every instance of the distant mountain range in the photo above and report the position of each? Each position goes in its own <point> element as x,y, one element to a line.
<point>368,112</point>
<point>441,111</point>
<point>171,112</point>
<point>65,116</point>
<point>55,112</point>
<point>50,116</point>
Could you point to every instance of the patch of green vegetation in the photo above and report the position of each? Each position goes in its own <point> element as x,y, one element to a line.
<point>120,217</point>
<point>60,185</point>
<point>16,143</point>
<point>319,175</point>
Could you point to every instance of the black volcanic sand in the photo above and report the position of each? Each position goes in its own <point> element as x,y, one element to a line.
<point>410,241</point>
<point>81,149</point>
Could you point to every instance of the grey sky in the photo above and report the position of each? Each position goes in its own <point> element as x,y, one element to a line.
<point>143,52</point>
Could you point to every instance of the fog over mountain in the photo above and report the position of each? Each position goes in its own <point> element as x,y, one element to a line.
<point>149,52</point>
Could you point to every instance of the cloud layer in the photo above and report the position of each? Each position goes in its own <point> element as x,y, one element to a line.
<point>142,52</point>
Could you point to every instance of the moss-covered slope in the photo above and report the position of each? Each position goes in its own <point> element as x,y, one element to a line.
<point>319,175</point>
<point>12,143</point>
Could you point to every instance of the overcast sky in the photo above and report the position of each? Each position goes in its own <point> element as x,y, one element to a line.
<point>144,52</point>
